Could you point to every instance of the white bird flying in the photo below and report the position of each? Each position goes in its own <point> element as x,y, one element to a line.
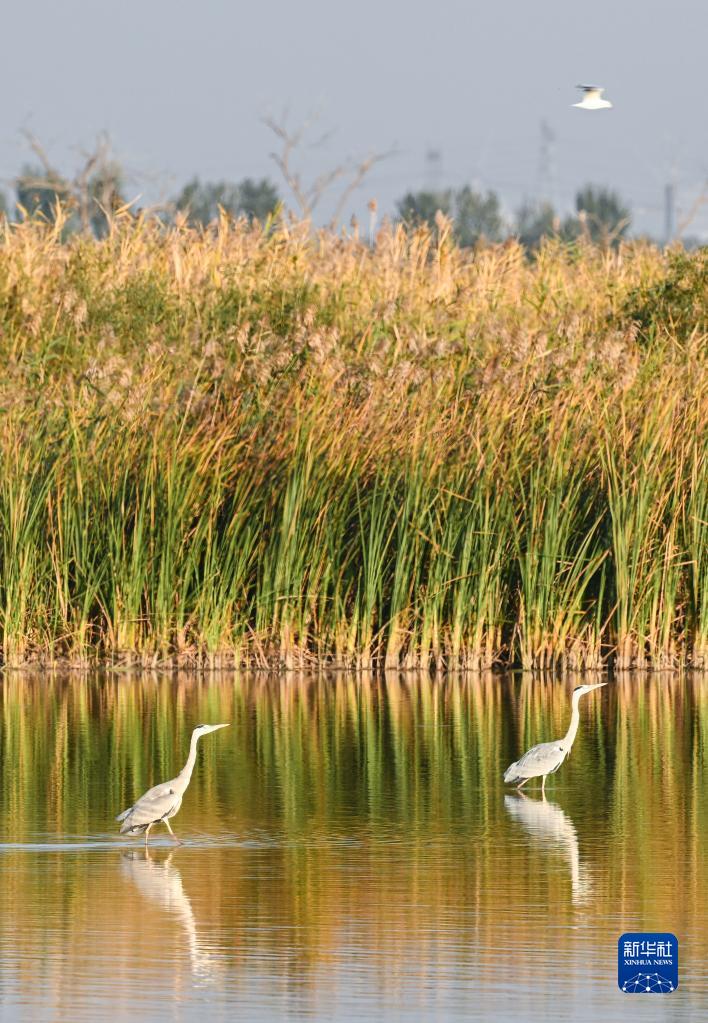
<point>592,98</point>
<point>163,801</point>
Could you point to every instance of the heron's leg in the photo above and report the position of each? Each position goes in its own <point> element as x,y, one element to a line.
<point>147,832</point>
<point>172,832</point>
<point>522,783</point>
<point>543,787</point>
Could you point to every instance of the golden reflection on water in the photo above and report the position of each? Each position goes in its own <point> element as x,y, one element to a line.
<point>546,824</point>
<point>158,881</point>
<point>350,848</point>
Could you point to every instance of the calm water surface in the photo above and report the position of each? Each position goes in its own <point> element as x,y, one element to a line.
<point>350,851</point>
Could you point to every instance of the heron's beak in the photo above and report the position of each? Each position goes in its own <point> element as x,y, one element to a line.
<point>598,685</point>
<point>215,728</point>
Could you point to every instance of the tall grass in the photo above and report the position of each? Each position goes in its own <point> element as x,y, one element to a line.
<point>284,448</point>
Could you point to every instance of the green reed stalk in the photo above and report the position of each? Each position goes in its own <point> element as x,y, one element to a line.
<point>641,493</point>
<point>559,552</point>
<point>694,525</point>
<point>286,449</point>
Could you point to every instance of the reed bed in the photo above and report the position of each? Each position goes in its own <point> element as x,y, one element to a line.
<point>281,448</point>
<point>375,800</point>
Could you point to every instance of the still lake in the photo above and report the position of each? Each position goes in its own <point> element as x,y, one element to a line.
<point>350,849</point>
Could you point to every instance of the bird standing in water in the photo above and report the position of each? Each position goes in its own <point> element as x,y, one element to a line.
<point>547,757</point>
<point>163,801</point>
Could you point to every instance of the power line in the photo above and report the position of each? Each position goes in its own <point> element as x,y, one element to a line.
<point>669,213</point>
<point>546,163</point>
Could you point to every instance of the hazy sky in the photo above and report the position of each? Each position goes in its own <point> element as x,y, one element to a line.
<point>181,88</point>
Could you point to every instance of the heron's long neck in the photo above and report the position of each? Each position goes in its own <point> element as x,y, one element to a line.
<point>574,722</point>
<point>186,773</point>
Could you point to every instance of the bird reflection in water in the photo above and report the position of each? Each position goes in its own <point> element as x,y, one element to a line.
<point>160,882</point>
<point>552,830</point>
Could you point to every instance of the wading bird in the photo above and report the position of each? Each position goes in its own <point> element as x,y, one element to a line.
<point>547,757</point>
<point>163,801</point>
<point>592,98</point>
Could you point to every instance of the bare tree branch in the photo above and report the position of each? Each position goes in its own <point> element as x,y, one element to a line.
<point>82,183</point>
<point>290,141</point>
<point>308,196</point>
<point>700,199</point>
<point>95,186</point>
<point>357,180</point>
<point>39,151</point>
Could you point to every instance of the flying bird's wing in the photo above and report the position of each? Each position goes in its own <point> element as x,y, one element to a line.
<point>592,98</point>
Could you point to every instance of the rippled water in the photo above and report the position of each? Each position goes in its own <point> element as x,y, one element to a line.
<point>350,850</point>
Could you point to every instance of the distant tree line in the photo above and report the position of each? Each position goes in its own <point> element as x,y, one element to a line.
<point>201,202</point>
<point>600,215</point>
<point>97,190</point>
<point>39,193</point>
<point>89,198</point>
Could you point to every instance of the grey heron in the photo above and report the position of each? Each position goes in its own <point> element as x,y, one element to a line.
<point>163,801</point>
<point>592,98</point>
<point>547,757</point>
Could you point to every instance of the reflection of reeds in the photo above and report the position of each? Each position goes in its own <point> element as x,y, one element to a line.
<point>423,747</point>
<point>286,450</point>
<point>343,815</point>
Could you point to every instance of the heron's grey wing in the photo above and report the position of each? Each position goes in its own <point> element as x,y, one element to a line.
<point>153,806</point>
<point>542,759</point>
